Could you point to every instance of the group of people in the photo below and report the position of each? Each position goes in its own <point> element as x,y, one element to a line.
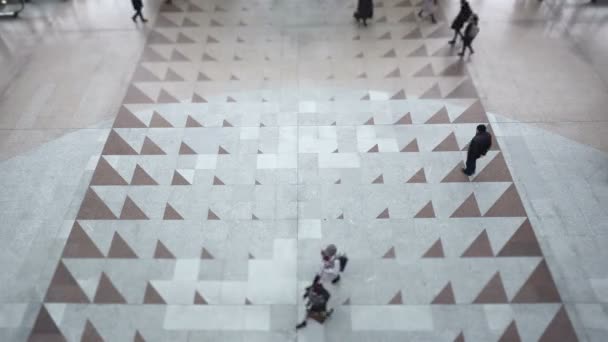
<point>317,296</point>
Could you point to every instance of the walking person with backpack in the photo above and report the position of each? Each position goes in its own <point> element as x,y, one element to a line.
<point>316,306</point>
<point>462,17</point>
<point>428,10</point>
<point>332,264</point>
<point>470,32</point>
<point>137,6</point>
<point>365,10</point>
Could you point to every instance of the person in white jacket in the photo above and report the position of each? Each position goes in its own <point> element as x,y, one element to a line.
<point>332,264</point>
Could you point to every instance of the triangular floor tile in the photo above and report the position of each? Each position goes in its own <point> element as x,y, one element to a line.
<point>149,55</point>
<point>157,38</point>
<point>211,215</point>
<point>217,181</point>
<point>374,149</point>
<point>126,119</point>
<point>45,329</point>
<point>493,292</point>
<point>414,34</point>
<point>378,180</point>
<point>405,120</point>
<point>390,54</point>
<point>189,22</point>
<point>226,124</point>
<point>151,296</point>
<point>196,98</point>
<point>510,334</point>
<point>64,288</point>
<point>522,243</point>
<point>183,39</point>
<point>178,179</point>
<point>384,214</point>
<point>440,117</point>
<point>138,337</point>
<point>116,145</point>
<point>130,211</point>
<point>539,288</point>
<point>560,329</point>
<point>90,334</point>
<point>426,71</point>
<point>480,247</point>
<point>162,252</point>
<point>426,212</point>
<point>80,245</point>
<point>468,208</point>
<point>149,147</point>
<point>202,77</point>
<point>171,213</point>
<point>221,150</point>
<point>184,149</point>
<point>460,337</point>
<point>410,18</point>
<point>411,147</point>
<point>106,175</point>
<point>93,208</point>
<point>449,144</point>
<point>495,171</point>
<point>419,52</point>
<point>466,90</point>
<point>397,299</point>
<point>445,296</point>
<point>418,177</point>
<point>165,97</point>
<point>390,254</point>
<point>400,95</point>
<point>192,123</point>
<point>456,175</point>
<point>205,254</point>
<point>120,249</point>
<point>158,121</point>
<point>173,76</point>
<point>432,93</point>
<point>141,177</point>
<point>198,299</point>
<point>435,251</point>
<point>107,293</point>
<point>370,121</point>
<point>474,114</point>
<point>508,205</point>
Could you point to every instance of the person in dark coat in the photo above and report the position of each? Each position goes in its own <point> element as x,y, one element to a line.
<point>137,6</point>
<point>365,10</point>
<point>479,146</point>
<point>461,19</point>
<point>316,307</point>
<point>470,32</point>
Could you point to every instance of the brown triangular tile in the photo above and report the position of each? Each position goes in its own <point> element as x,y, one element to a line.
<point>384,214</point>
<point>427,211</point>
<point>253,217</point>
<point>151,296</point>
<point>205,254</point>
<point>341,217</point>
<point>390,54</point>
<point>359,55</point>
<point>106,292</point>
<point>171,213</point>
<point>362,75</point>
<point>405,120</point>
<point>158,121</point>
<point>457,68</point>
<point>493,292</point>
<point>106,175</point>
<point>435,251</point>
<point>183,39</point>
<point>419,52</point>
<point>162,252</point>
<point>189,22</point>
<point>184,149</point>
<point>211,40</point>
<point>120,249</point>
<point>495,171</point>
<point>149,147</point>
<point>80,245</point>
<point>198,299</point>
<point>508,205</point>
<point>93,208</point>
<point>410,18</point>
<point>250,256</point>
<point>233,78</point>
<point>456,175</point>
<point>441,32</point>
<point>172,76</point>
<point>449,144</point>
<point>226,124</point>
<point>414,34</point>
<point>141,177</point>
<point>192,123</point>
<point>211,215</point>
<point>374,149</point>
<point>215,23</point>
<point>432,93</point>
<point>397,299</point>
<point>257,182</point>
<point>165,97</point>
<point>196,98</point>
<point>390,254</point>
<point>130,211</point>
<point>370,121</point>
<point>64,288</point>
<point>138,337</point>
<point>217,181</point>
<point>202,77</point>
<point>445,296</point>
<point>460,337</point>
<point>426,71</point>
<point>339,181</point>
<point>418,177</point>
<point>378,180</point>
<point>559,329</point>
<point>126,119</point>
<point>116,145</point>
<point>480,247</point>
<point>248,302</point>
<point>440,117</point>
<point>466,90</point>
<point>221,150</point>
<point>474,114</point>
<point>468,208</point>
<point>385,36</point>
<point>177,56</point>
<point>156,37</point>
<point>178,179</point>
<point>510,334</point>
<point>134,95</point>
<point>411,147</point>
<point>365,97</point>
<point>522,243</point>
<point>539,288</point>
<point>149,55</point>
<point>90,334</point>
<point>346,302</point>
<point>45,329</point>
<point>400,95</point>
<point>169,7</point>
<point>208,58</point>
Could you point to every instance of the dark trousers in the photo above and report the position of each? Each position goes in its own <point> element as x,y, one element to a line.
<point>467,44</point>
<point>456,35</point>
<point>138,14</point>
<point>471,164</point>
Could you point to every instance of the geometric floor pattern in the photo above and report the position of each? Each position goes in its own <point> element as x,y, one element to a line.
<point>251,136</point>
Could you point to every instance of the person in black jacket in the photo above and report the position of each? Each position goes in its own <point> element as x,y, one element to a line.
<point>461,19</point>
<point>479,146</point>
<point>316,307</point>
<point>137,6</point>
<point>470,32</point>
<point>365,10</point>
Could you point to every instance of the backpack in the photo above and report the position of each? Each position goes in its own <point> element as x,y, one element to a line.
<point>473,31</point>
<point>316,301</point>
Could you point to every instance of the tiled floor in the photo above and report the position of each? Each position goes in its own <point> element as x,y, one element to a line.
<point>252,134</point>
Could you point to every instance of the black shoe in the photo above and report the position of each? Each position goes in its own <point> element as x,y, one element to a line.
<point>452,42</point>
<point>461,54</point>
<point>134,19</point>
<point>301,325</point>
<point>145,20</point>
<point>465,170</point>
<point>336,279</point>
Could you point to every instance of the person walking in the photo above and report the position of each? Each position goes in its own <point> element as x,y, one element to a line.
<point>332,264</point>
<point>365,10</point>
<point>479,146</point>
<point>462,17</point>
<point>428,10</point>
<point>316,305</point>
<point>470,32</point>
<point>137,6</point>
